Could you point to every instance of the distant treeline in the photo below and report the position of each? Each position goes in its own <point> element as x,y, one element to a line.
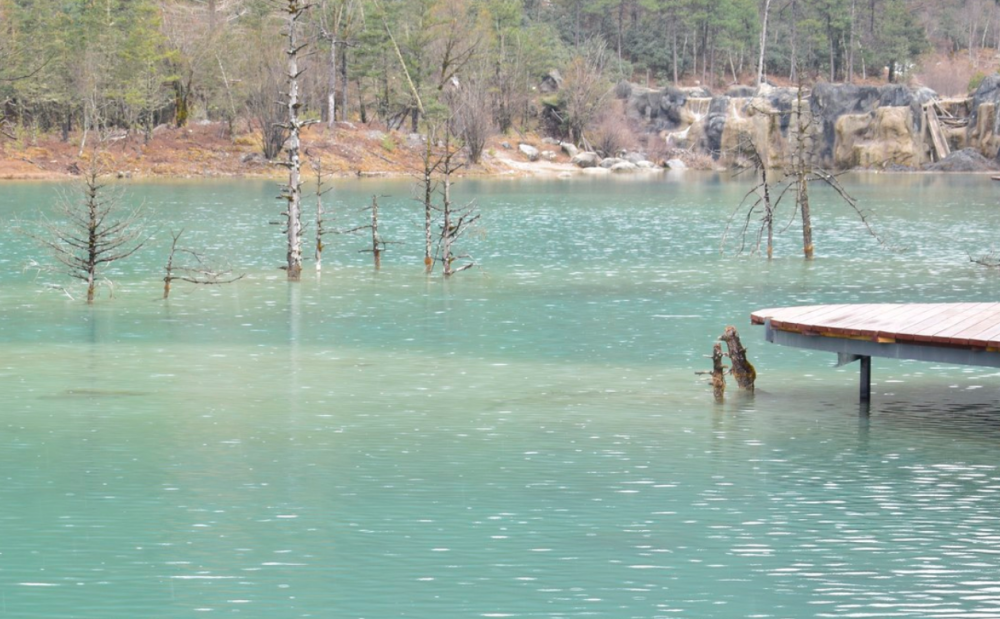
<point>100,65</point>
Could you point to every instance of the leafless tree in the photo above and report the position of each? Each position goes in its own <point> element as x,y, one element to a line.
<point>473,119</point>
<point>585,90</point>
<point>756,203</point>
<point>456,221</point>
<point>378,244</point>
<point>795,181</point>
<point>292,193</point>
<point>96,231</point>
<point>321,190</point>
<point>428,186</point>
<point>188,265</point>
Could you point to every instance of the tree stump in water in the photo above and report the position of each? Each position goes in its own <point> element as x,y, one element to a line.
<point>741,369</point>
<point>718,373</point>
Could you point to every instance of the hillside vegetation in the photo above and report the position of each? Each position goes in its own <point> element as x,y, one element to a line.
<point>141,72</point>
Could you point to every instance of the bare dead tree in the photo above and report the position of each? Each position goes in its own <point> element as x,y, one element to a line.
<point>456,220</point>
<point>96,232</point>
<point>428,185</point>
<point>378,244</point>
<point>762,204</point>
<point>321,190</point>
<point>292,193</point>
<point>188,265</point>
<point>794,180</point>
<point>989,259</point>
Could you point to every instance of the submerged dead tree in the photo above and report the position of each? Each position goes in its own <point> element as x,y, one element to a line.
<point>741,369</point>
<point>429,186</point>
<point>456,220</point>
<point>321,190</point>
<point>97,231</point>
<point>378,243</point>
<point>292,193</point>
<point>188,265</point>
<point>718,373</point>
<point>795,181</point>
<point>761,205</point>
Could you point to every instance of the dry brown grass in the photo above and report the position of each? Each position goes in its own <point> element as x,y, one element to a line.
<point>951,74</point>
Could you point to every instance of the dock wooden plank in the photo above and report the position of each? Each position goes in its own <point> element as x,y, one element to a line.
<point>979,321</point>
<point>967,325</point>
<point>956,314</point>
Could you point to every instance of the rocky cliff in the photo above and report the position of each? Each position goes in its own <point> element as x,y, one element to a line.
<point>838,126</point>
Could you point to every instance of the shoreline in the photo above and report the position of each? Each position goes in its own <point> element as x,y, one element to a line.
<point>203,151</point>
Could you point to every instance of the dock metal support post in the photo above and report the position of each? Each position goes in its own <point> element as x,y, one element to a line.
<point>866,379</point>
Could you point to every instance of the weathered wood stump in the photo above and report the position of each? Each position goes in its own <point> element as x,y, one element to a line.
<point>741,369</point>
<point>718,373</point>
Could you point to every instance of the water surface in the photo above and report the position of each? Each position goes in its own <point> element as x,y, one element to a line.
<point>528,439</point>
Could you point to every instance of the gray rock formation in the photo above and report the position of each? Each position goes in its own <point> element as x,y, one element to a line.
<point>569,149</point>
<point>586,160</point>
<point>624,166</point>
<point>965,160</point>
<point>528,151</point>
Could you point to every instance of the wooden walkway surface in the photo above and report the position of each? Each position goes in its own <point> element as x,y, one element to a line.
<point>958,325</point>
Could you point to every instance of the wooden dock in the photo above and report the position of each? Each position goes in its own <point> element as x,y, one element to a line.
<point>958,333</point>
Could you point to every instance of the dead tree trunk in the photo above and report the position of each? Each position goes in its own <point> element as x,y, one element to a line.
<point>742,370</point>
<point>293,191</point>
<point>377,244</point>
<point>718,373</point>
<point>803,169</point>
<point>317,166</point>
<point>430,167</point>
<point>457,221</point>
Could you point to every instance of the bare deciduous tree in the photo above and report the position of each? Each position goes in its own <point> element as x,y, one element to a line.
<point>456,221</point>
<point>585,90</point>
<point>321,190</point>
<point>188,265</point>
<point>96,232</point>
<point>795,180</point>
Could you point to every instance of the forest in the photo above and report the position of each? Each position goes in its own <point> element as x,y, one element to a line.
<point>79,66</point>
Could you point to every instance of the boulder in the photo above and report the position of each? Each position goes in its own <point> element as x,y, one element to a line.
<point>676,164</point>
<point>645,164</point>
<point>528,151</point>
<point>551,81</point>
<point>569,149</point>
<point>624,166</point>
<point>608,162</point>
<point>548,155</point>
<point>966,160</point>
<point>586,160</point>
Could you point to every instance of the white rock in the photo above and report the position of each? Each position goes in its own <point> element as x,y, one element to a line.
<point>624,166</point>
<point>528,151</point>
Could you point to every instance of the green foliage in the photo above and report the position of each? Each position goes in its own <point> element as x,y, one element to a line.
<point>976,79</point>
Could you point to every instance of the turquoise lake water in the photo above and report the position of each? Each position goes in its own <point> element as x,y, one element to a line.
<point>527,439</point>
